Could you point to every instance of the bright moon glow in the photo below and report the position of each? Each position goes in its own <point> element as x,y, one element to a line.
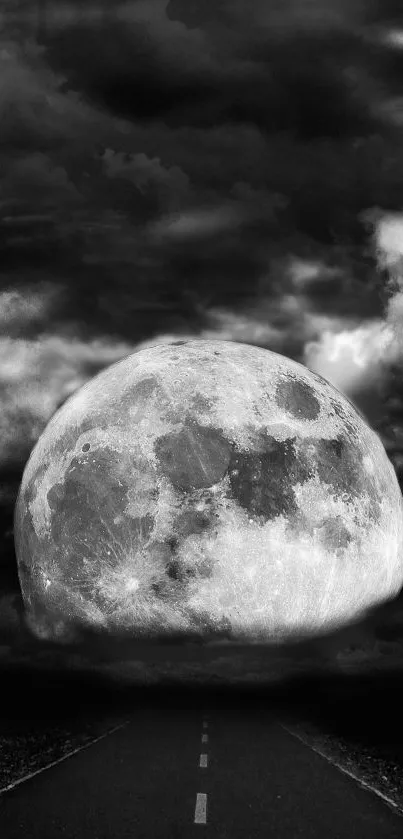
<point>208,489</point>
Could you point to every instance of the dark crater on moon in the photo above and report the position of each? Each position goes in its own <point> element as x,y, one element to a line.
<point>193,457</point>
<point>339,464</point>
<point>297,398</point>
<point>179,573</point>
<point>93,494</point>
<point>262,482</point>
<point>334,534</point>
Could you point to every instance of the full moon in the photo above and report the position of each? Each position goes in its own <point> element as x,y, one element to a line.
<point>206,489</point>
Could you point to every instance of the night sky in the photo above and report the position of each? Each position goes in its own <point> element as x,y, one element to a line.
<point>228,169</point>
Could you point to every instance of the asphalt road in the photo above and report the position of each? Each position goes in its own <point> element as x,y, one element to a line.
<point>149,780</point>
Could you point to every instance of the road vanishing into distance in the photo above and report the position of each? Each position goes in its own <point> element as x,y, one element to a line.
<point>217,774</point>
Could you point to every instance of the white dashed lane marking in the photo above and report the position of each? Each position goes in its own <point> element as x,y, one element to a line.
<point>201,808</point>
<point>201,797</point>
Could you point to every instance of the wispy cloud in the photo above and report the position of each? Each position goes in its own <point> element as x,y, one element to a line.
<point>36,376</point>
<point>352,358</point>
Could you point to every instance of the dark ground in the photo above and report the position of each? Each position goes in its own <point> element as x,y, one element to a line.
<point>355,719</point>
<point>145,779</point>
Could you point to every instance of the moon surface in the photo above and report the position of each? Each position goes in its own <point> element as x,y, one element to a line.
<point>206,489</point>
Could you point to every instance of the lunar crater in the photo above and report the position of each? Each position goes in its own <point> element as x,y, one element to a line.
<point>297,398</point>
<point>194,457</point>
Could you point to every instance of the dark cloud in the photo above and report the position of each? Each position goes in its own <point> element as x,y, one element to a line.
<point>155,67</point>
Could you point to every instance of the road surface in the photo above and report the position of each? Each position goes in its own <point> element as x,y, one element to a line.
<point>216,774</point>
